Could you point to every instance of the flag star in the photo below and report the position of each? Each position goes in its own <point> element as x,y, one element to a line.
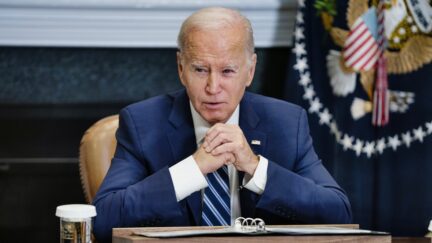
<point>429,127</point>
<point>369,148</point>
<point>358,147</point>
<point>299,17</point>
<point>309,93</point>
<point>347,142</point>
<point>325,117</point>
<point>299,33</point>
<point>380,145</point>
<point>305,79</point>
<point>301,3</point>
<point>301,65</point>
<point>407,139</point>
<point>315,106</point>
<point>394,142</point>
<point>419,133</point>
<point>299,49</point>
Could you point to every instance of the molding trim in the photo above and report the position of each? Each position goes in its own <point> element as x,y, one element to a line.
<point>130,23</point>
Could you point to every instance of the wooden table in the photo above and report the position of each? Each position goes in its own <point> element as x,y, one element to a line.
<point>125,235</point>
<point>411,240</point>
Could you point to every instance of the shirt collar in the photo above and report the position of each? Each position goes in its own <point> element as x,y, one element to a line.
<point>201,126</point>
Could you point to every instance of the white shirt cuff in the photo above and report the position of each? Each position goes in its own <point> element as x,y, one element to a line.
<point>257,182</point>
<point>187,178</point>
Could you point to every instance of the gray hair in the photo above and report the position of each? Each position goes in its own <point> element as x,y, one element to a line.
<point>215,17</point>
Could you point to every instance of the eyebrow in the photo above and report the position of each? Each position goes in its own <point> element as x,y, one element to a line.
<point>197,65</point>
<point>230,66</point>
<point>235,67</point>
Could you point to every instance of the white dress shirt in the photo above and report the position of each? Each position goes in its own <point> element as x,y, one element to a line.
<point>188,178</point>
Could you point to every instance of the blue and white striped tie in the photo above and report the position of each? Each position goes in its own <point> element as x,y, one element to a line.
<point>216,207</point>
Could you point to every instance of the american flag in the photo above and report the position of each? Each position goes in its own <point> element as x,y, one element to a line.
<point>361,50</point>
<point>380,113</point>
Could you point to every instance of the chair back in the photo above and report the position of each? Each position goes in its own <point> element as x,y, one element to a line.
<point>96,151</point>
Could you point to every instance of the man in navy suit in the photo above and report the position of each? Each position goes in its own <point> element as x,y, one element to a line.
<point>168,145</point>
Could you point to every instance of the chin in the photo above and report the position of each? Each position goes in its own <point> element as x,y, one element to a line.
<point>213,119</point>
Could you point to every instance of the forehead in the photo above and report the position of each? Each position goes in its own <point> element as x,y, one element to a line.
<point>221,44</point>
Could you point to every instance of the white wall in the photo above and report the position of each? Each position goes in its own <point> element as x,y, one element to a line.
<point>130,23</point>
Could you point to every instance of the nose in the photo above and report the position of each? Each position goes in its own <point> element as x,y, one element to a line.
<point>213,83</point>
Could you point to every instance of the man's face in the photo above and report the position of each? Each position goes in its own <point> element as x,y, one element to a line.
<point>215,69</point>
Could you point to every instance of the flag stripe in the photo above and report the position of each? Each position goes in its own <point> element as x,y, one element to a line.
<point>356,31</point>
<point>371,60</point>
<point>360,52</point>
<point>353,46</point>
<point>365,39</point>
<point>367,50</point>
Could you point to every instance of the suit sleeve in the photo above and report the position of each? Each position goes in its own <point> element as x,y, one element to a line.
<point>129,194</point>
<point>306,194</point>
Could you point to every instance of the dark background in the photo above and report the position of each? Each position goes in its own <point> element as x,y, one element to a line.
<point>50,96</point>
<point>388,191</point>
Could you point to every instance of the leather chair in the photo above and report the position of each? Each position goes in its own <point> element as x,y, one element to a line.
<point>96,151</point>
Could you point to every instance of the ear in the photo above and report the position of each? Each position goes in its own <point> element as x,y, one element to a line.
<point>180,67</point>
<point>251,71</point>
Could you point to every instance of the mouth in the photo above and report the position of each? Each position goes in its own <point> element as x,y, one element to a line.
<point>213,105</point>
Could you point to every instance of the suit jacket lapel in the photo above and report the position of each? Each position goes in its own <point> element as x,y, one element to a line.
<point>181,137</point>
<point>249,123</point>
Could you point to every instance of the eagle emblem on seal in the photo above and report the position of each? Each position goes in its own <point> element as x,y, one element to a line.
<point>408,35</point>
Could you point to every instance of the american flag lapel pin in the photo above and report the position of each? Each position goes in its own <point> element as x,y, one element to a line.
<point>256,142</point>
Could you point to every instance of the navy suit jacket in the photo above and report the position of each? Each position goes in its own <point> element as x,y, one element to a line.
<point>157,133</point>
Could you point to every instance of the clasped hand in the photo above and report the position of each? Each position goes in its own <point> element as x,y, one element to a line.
<point>225,144</point>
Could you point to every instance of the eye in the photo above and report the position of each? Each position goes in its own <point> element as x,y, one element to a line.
<point>200,70</point>
<point>228,71</point>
